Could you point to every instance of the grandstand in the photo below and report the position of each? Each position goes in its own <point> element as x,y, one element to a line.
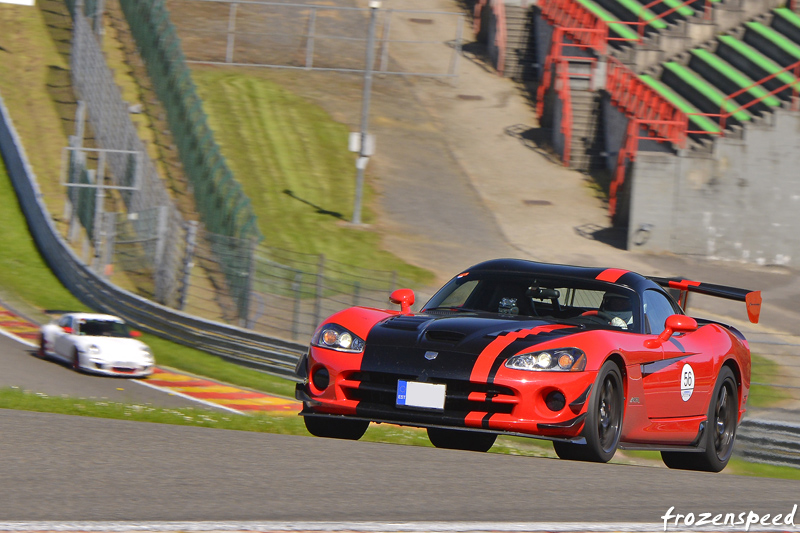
<point>690,105</point>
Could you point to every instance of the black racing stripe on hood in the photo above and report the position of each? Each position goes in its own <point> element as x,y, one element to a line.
<point>526,342</point>
<point>507,352</point>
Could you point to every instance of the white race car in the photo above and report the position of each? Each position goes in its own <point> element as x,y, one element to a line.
<point>96,343</point>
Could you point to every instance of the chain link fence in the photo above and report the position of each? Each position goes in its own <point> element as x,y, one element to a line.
<point>222,204</point>
<point>122,165</point>
<point>314,36</point>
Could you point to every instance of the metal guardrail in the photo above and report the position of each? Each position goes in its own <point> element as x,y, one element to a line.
<point>246,347</point>
<point>769,441</point>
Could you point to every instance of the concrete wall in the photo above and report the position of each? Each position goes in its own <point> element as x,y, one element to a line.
<point>741,202</point>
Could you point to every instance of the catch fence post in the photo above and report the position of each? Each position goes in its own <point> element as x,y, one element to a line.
<point>297,289</point>
<point>191,242</point>
<point>318,295</point>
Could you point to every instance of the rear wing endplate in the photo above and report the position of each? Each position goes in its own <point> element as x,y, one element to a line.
<point>751,298</point>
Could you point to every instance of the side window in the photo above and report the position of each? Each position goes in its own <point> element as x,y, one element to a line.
<point>64,322</point>
<point>657,308</point>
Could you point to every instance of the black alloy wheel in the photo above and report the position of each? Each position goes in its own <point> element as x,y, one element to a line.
<point>720,431</point>
<point>336,428</point>
<point>456,439</point>
<point>603,424</point>
<point>41,353</point>
<point>76,361</point>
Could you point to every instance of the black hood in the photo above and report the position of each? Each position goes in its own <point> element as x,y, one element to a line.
<point>406,344</point>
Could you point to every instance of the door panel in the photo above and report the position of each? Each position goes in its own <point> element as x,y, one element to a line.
<point>680,385</point>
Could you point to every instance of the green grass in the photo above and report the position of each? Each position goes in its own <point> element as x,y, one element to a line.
<point>765,370</point>
<point>24,275</point>
<point>292,161</point>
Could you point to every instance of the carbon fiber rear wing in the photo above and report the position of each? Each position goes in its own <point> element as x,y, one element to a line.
<point>751,298</point>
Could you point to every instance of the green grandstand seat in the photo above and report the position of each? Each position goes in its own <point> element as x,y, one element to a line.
<point>755,64</point>
<point>699,121</point>
<point>614,24</point>
<point>633,11</point>
<point>730,80</point>
<point>786,22</point>
<point>772,44</point>
<point>699,92</point>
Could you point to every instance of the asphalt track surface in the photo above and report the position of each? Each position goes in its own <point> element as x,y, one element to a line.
<point>66,468</point>
<point>69,468</point>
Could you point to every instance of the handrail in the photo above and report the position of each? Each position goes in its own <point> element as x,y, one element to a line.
<point>639,100</point>
<point>795,67</point>
<point>556,55</point>
<point>585,27</point>
<point>569,13</point>
<point>724,115</point>
<point>501,36</point>
<point>641,24</point>
<point>561,63</point>
<point>564,93</point>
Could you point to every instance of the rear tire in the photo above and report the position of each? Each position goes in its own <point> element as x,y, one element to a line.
<point>603,424</point>
<point>456,439</point>
<point>720,433</point>
<point>335,428</point>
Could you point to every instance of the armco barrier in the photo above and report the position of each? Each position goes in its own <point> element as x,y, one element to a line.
<point>769,441</point>
<point>246,347</point>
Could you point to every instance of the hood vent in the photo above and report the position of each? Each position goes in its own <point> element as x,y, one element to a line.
<point>445,336</point>
<point>406,322</point>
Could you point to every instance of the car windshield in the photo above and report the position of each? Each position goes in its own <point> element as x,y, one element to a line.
<point>529,295</point>
<point>102,328</point>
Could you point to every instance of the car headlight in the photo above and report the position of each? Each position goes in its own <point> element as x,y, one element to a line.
<point>147,353</point>
<point>561,359</point>
<point>93,349</point>
<point>336,337</point>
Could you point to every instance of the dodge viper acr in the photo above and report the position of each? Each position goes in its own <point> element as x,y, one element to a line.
<point>592,359</point>
<point>96,343</point>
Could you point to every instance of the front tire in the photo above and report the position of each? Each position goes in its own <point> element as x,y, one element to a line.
<point>603,424</point>
<point>76,361</point>
<point>42,353</point>
<point>335,428</point>
<point>720,433</point>
<point>455,439</point>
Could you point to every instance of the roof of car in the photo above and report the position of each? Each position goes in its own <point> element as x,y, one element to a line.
<point>610,275</point>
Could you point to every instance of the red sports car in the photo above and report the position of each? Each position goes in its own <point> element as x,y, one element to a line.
<point>592,359</point>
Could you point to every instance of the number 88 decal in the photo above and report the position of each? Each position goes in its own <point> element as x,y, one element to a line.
<point>687,382</point>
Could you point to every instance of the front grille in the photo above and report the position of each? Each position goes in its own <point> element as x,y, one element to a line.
<point>378,390</point>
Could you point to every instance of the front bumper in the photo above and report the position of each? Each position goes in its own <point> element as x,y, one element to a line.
<point>122,369</point>
<point>515,402</point>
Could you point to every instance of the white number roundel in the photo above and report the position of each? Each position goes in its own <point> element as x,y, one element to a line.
<point>687,382</point>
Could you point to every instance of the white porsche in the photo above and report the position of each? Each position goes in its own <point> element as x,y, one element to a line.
<point>96,343</point>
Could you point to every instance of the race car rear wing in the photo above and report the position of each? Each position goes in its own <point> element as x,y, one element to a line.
<point>751,298</point>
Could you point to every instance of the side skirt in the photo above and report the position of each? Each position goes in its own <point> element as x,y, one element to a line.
<point>695,446</point>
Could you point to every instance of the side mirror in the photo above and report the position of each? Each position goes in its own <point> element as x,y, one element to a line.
<point>68,330</point>
<point>135,333</point>
<point>404,298</point>
<point>673,324</point>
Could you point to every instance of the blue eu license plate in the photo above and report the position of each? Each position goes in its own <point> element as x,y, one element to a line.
<point>422,395</point>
